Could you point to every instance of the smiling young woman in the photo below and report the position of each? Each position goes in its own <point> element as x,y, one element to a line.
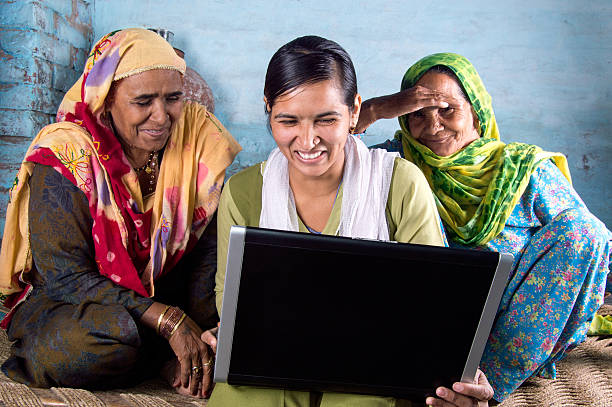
<point>322,179</point>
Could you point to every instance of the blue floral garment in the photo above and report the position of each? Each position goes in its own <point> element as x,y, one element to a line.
<point>561,258</point>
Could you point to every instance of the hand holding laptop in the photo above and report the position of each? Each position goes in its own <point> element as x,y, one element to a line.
<point>464,394</point>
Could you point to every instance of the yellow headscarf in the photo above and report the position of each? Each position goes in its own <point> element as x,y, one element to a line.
<point>476,188</point>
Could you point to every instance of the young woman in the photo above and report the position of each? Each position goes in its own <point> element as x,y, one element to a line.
<point>322,179</point>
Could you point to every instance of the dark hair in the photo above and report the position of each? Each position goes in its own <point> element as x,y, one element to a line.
<point>443,69</point>
<point>308,60</point>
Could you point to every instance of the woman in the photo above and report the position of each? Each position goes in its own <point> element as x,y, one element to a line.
<point>106,236</point>
<point>512,198</point>
<point>320,179</point>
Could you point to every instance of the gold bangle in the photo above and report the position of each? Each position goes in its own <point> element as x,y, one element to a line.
<point>180,321</point>
<point>161,316</point>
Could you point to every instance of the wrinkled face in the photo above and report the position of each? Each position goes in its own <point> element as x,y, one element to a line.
<point>444,130</point>
<point>144,107</point>
<point>310,125</point>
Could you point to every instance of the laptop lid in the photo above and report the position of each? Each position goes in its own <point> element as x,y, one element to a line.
<point>327,313</point>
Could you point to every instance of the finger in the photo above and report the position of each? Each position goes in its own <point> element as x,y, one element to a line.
<point>185,371</point>
<point>196,374</point>
<point>207,365</point>
<point>432,401</point>
<point>478,391</point>
<point>455,399</point>
<point>210,338</point>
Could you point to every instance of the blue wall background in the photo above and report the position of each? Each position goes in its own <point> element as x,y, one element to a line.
<point>547,64</point>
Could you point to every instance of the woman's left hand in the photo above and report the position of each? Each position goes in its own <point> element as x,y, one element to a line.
<point>191,353</point>
<point>464,394</point>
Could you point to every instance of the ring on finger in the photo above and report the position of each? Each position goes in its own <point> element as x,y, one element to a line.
<point>209,363</point>
<point>196,371</point>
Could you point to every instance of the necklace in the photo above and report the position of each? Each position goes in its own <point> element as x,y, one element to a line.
<point>147,174</point>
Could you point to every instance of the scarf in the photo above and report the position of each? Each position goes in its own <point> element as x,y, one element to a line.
<point>476,188</point>
<point>367,178</point>
<point>134,242</point>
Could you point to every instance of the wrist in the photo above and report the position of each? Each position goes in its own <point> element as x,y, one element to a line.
<point>170,322</point>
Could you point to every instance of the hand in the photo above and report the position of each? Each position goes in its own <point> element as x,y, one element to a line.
<point>401,103</point>
<point>464,394</point>
<point>191,352</point>
<point>210,338</point>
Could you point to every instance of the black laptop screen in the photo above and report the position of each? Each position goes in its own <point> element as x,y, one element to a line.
<point>356,317</point>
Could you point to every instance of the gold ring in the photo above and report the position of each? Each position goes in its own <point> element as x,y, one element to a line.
<point>210,362</point>
<point>196,370</point>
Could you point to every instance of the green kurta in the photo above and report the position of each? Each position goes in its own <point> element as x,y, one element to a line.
<point>411,216</point>
<point>411,211</point>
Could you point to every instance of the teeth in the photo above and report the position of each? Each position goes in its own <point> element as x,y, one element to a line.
<point>310,156</point>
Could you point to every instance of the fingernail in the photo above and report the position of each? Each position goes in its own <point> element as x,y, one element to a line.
<point>441,392</point>
<point>458,386</point>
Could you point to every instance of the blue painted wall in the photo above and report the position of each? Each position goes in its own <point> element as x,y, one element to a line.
<point>43,47</point>
<point>547,64</point>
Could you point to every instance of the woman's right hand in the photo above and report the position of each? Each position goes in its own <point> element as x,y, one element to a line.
<point>398,104</point>
<point>210,338</point>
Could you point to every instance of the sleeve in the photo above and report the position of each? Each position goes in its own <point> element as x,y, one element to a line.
<point>227,216</point>
<point>62,246</point>
<point>191,282</point>
<point>551,193</point>
<point>411,210</point>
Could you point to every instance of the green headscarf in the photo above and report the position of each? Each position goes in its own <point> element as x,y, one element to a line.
<point>477,187</point>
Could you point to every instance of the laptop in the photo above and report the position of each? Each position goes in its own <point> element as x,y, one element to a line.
<point>326,313</point>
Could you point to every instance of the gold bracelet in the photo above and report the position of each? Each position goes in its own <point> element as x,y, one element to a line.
<point>180,321</point>
<point>161,316</point>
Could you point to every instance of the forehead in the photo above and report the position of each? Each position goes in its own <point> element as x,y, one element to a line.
<point>441,82</point>
<point>151,82</point>
<point>313,96</point>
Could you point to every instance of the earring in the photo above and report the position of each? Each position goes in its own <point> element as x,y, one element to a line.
<point>352,130</point>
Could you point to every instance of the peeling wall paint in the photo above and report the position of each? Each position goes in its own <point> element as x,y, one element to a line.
<point>43,47</point>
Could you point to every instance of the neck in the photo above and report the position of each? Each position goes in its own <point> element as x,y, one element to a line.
<point>137,157</point>
<point>318,186</point>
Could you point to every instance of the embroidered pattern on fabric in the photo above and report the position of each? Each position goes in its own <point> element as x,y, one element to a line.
<point>76,160</point>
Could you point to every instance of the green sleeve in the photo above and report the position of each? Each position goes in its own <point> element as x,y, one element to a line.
<point>411,210</point>
<point>240,204</point>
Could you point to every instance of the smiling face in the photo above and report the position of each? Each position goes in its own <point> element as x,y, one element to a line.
<point>144,107</point>
<point>444,130</point>
<point>310,125</point>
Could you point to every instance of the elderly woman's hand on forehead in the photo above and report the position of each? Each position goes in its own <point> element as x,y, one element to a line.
<point>401,103</point>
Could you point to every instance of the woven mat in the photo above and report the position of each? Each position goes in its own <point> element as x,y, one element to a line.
<point>584,379</point>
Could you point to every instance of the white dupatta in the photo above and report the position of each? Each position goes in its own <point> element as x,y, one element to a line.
<point>367,178</point>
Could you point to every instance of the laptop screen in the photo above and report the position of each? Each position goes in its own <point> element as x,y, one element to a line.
<point>338,314</point>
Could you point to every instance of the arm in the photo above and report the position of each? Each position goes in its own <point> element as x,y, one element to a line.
<point>411,211</point>
<point>227,216</point>
<point>399,104</point>
<point>62,246</point>
<point>550,193</point>
<point>63,253</point>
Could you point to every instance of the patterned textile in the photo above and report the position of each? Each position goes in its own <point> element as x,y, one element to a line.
<point>476,188</point>
<point>561,258</point>
<point>134,243</point>
<point>75,314</point>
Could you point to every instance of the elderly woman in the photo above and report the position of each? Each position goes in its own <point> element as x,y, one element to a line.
<point>321,179</point>
<point>513,198</point>
<point>106,240</point>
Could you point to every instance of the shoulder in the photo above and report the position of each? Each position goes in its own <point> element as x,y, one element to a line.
<point>247,181</point>
<point>242,191</point>
<point>196,116</point>
<point>407,174</point>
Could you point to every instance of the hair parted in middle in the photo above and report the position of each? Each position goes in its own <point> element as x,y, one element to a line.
<point>307,60</point>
